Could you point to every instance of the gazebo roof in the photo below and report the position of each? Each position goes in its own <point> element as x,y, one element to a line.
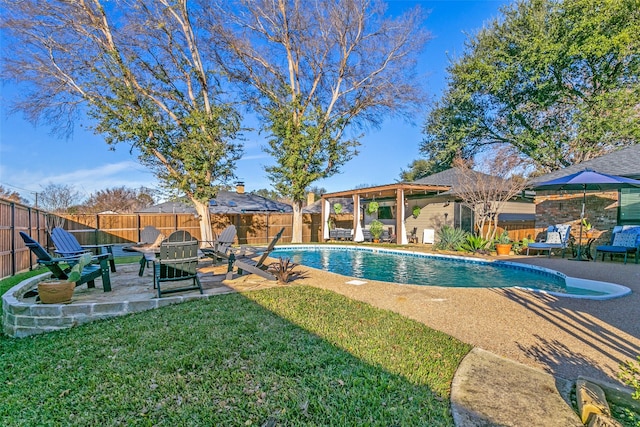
<point>389,190</point>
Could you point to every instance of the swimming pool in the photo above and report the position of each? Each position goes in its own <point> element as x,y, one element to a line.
<point>441,270</point>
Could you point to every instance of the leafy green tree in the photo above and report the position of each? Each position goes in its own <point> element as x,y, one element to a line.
<point>316,73</point>
<point>421,168</point>
<point>557,80</point>
<point>142,71</point>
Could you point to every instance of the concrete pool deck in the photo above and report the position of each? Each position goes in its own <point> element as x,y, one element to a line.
<point>552,340</point>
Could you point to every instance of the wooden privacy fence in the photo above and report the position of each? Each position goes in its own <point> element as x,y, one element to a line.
<point>14,218</point>
<point>255,228</point>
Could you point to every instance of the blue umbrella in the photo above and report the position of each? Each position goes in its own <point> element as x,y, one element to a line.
<point>584,180</point>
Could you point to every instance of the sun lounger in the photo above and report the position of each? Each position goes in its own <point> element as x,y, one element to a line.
<point>557,238</point>
<point>250,265</point>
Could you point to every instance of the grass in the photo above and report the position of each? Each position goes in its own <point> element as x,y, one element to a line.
<point>283,356</point>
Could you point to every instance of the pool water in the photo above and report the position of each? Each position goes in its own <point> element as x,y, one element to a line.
<point>422,269</point>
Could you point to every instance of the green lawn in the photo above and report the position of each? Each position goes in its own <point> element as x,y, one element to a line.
<point>284,356</point>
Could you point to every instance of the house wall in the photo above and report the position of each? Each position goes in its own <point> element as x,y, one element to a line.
<point>601,210</point>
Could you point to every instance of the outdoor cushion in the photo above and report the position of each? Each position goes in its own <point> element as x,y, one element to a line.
<point>625,239</point>
<point>553,237</point>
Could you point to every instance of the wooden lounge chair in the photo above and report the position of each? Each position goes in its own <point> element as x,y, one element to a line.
<point>98,268</point>
<point>250,265</point>
<point>68,246</point>
<point>625,240</point>
<point>557,238</point>
<point>177,260</point>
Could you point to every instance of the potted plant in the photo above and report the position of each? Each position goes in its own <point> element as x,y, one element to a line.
<point>415,211</point>
<point>57,291</point>
<point>337,208</point>
<point>503,244</point>
<point>372,207</point>
<point>376,228</point>
<point>587,227</point>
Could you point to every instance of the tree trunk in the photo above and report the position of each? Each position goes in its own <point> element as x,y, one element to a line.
<point>206,232</point>
<point>297,222</point>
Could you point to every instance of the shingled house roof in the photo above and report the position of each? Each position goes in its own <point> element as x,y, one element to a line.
<point>226,202</point>
<point>450,178</point>
<point>624,162</point>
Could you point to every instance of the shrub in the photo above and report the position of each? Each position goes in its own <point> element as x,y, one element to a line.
<point>630,375</point>
<point>283,270</point>
<point>450,239</point>
<point>476,244</point>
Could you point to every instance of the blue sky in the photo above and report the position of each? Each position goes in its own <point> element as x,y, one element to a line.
<point>30,157</point>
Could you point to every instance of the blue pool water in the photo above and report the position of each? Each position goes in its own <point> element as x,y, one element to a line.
<point>421,269</point>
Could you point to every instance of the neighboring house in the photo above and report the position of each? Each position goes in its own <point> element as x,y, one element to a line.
<point>433,199</point>
<point>603,210</point>
<point>226,202</point>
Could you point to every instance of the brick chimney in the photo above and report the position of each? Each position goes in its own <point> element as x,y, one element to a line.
<point>240,187</point>
<point>310,198</point>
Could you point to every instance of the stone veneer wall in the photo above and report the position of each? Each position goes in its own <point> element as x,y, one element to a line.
<point>22,319</point>
<point>601,211</point>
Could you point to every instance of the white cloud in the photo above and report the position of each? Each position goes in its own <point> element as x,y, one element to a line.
<point>127,173</point>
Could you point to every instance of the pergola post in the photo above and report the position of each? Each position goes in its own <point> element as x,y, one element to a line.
<point>325,218</point>
<point>401,229</point>
<point>358,236</point>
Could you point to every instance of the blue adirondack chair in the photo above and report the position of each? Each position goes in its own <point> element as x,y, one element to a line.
<point>68,246</point>
<point>98,268</point>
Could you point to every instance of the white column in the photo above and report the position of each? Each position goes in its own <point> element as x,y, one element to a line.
<point>358,236</point>
<point>326,206</point>
<point>401,228</point>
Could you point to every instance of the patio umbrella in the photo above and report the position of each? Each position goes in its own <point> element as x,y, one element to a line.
<point>584,180</point>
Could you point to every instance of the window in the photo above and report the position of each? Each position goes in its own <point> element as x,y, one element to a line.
<point>629,206</point>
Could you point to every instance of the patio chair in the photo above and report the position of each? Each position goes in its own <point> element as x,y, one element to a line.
<point>150,237</point>
<point>177,260</point>
<point>250,265</point>
<point>99,266</point>
<point>557,238</point>
<point>625,240</point>
<point>221,247</point>
<point>68,246</point>
<point>413,236</point>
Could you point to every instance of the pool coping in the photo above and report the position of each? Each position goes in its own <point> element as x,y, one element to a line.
<point>612,290</point>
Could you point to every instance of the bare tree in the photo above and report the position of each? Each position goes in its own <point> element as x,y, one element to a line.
<point>140,70</point>
<point>316,73</point>
<point>119,199</point>
<point>486,191</point>
<point>57,199</point>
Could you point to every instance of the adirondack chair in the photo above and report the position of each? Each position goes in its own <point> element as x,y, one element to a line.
<point>221,247</point>
<point>177,260</point>
<point>256,267</point>
<point>68,246</point>
<point>98,268</point>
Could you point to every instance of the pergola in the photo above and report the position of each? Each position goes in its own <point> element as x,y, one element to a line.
<point>399,191</point>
